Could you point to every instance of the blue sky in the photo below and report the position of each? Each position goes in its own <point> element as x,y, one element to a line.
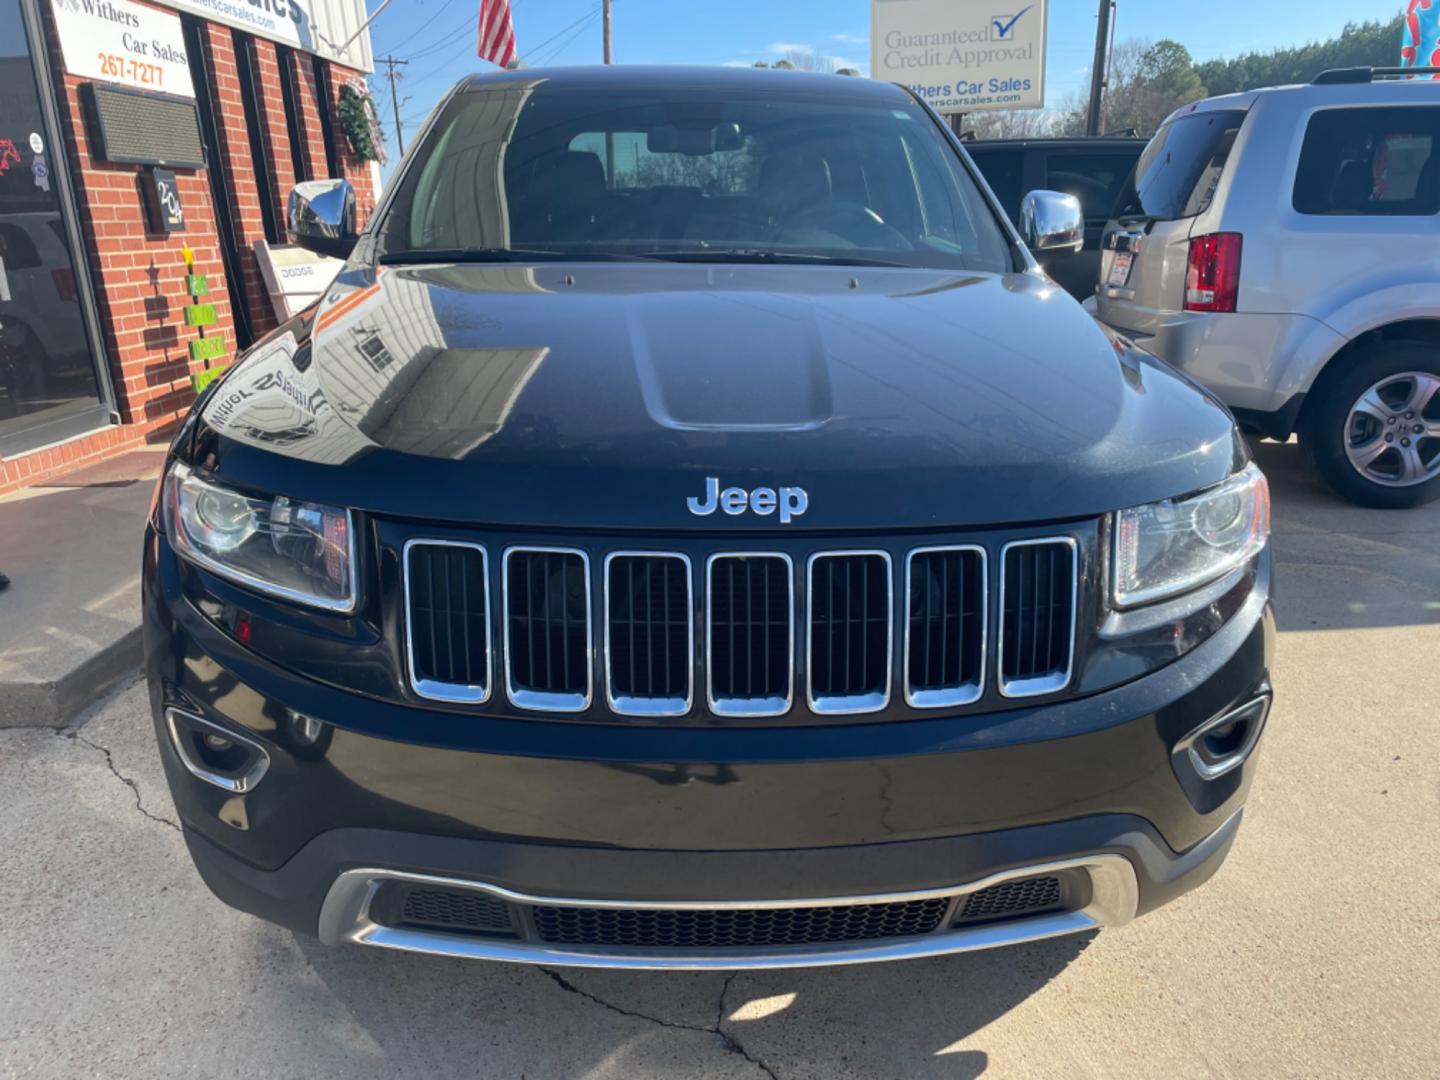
<point>438,36</point>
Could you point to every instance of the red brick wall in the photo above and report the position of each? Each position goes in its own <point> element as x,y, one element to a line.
<point>307,100</point>
<point>138,275</point>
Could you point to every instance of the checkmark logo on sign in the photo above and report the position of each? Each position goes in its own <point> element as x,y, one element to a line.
<point>1005,24</point>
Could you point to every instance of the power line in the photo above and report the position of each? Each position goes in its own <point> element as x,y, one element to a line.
<point>560,46</point>
<point>444,8</point>
<point>588,15</point>
<point>450,37</point>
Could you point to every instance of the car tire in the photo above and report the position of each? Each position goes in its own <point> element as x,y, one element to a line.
<point>1380,399</point>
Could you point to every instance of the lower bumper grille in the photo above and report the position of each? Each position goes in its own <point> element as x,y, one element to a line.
<point>447,910</point>
<point>1028,896</point>
<point>632,928</point>
<point>469,911</point>
<point>452,917</point>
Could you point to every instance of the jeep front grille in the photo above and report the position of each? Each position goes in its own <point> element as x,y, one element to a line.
<point>738,630</point>
<point>448,620</point>
<point>1037,616</point>
<point>547,628</point>
<point>848,636</point>
<point>750,618</point>
<point>945,622</point>
<point>649,633</point>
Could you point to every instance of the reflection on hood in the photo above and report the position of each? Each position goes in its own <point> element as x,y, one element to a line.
<point>389,382</point>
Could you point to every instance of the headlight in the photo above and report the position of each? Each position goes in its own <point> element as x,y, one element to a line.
<point>297,550</point>
<point>1171,547</point>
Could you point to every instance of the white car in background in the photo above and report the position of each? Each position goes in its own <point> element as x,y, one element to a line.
<point>1282,247</point>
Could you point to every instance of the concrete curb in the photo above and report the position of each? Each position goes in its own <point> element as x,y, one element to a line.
<point>54,704</point>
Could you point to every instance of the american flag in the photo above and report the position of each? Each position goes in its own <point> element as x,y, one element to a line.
<point>497,32</point>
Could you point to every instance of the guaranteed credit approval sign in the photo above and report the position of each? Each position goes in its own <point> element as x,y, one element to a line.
<point>962,55</point>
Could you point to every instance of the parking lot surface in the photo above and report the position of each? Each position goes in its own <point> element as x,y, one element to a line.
<point>1314,952</point>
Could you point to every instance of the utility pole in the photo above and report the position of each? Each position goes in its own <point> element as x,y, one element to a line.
<point>391,64</point>
<point>609,48</point>
<point>1098,72</point>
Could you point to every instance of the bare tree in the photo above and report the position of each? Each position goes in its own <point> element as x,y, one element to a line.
<point>1011,123</point>
<point>805,60</point>
<point>1148,81</point>
<point>810,60</point>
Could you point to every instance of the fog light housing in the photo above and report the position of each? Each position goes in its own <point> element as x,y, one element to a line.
<point>1223,743</point>
<point>217,756</point>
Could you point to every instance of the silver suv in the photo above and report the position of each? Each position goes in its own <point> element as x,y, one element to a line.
<point>1279,246</point>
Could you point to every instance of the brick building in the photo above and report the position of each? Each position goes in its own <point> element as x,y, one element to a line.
<point>95,98</point>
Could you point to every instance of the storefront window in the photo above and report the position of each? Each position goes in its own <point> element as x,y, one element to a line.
<point>48,385</point>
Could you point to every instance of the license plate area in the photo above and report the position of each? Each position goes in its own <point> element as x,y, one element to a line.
<point>1119,274</point>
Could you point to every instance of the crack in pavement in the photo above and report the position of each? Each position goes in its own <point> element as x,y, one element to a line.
<point>134,787</point>
<point>728,1041</point>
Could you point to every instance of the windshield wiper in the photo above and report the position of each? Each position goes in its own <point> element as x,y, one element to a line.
<point>764,255</point>
<point>502,255</point>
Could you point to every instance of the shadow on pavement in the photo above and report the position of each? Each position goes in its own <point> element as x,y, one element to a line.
<point>893,1019</point>
<point>1340,566</point>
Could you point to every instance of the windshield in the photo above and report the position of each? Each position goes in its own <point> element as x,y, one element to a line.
<point>1177,174</point>
<point>532,170</point>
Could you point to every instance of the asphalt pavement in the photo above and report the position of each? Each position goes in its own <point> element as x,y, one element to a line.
<point>1314,952</point>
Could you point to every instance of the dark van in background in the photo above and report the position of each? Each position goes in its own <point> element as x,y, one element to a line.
<point>1093,169</point>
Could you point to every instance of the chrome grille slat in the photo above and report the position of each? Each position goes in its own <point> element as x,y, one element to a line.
<point>542,628</point>
<point>666,635</point>
<point>731,686</point>
<point>1039,582</point>
<point>434,618</point>
<point>850,671</point>
<point>956,576</point>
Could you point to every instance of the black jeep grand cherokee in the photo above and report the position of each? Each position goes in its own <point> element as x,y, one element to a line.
<point>693,533</point>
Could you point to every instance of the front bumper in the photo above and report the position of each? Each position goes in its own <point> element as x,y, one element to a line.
<point>599,816</point>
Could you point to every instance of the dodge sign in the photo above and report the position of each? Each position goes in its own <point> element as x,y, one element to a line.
<point>962,55</point>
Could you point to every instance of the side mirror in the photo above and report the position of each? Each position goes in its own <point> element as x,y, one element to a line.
<point>1051,223</point>
<point>321,217</point>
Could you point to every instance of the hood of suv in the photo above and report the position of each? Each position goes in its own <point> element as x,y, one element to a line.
<point>607,395</point>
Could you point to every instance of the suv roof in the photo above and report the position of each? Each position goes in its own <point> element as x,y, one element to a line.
<point>1339,85</point>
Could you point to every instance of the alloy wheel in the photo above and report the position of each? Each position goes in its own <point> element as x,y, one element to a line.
<point>1392,432</point>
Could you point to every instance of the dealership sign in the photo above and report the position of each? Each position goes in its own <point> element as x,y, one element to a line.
<point>962,55</point>
<point>116,41</point>
<point>316,26</point>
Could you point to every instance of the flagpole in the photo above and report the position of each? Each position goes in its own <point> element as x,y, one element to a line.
<point>609,50</point>
<point>363,27</point>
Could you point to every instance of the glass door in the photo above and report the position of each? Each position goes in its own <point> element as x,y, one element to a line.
<point>49,389</point>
